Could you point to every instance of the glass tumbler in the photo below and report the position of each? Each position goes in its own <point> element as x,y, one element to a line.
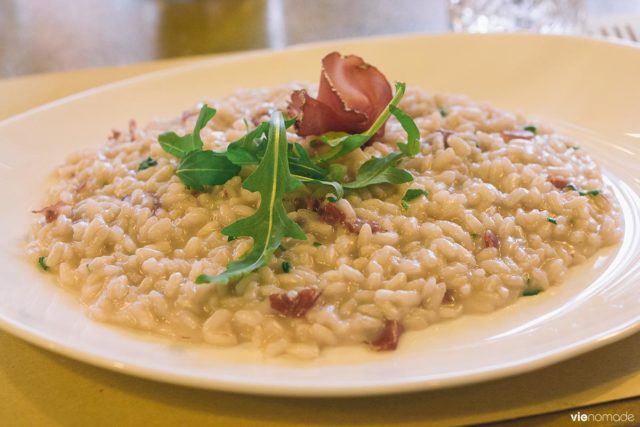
<point>541,16</point>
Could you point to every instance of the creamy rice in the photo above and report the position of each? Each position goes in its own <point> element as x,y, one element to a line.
<point>131,243</point>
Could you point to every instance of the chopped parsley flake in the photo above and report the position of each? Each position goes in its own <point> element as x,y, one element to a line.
<point>147,163</point>
<point>531,129</point>
<point>531,292</point>
<point>443,112</point>
<point>43,263</point>
<point>317,244</point>
<point>592,193</point>
<point>552,220</point>
<point>411,194</point>
<point>286,267</point>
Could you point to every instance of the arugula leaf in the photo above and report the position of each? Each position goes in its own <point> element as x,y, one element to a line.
<point>289,121</point>
<point>249,149</point>
<point>333,138</point>
<point>334,186</point>
<point>270,223</point>
<point>349,143</point>
<point>412,147</point>
<point>180,146</point>
<point>380,170</point>
<point>411,194</point>
<point>344,147</point>
<point>200,168</point>
<point>337,172</point>
<point>300,163</point>
<point>147,163</point>
<point>414,193</point>
<point>592,193</point>
<point>176,145</point>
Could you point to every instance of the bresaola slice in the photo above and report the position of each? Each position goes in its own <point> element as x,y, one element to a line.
<point>351,95</point>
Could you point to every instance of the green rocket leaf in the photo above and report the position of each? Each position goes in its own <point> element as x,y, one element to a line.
<point>270,223</point>
<point>180,146</point>
<point>380,170</point>
<point>200,168</point>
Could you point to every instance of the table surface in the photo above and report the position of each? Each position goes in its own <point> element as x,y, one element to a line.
<point>49,35</point>
<point>41,388</point>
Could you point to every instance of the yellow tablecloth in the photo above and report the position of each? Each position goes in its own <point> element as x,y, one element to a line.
<point>41,388</point>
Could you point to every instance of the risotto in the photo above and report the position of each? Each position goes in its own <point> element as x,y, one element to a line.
<point>501,208</point>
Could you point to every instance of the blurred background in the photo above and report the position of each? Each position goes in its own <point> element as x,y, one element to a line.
<point>50,35</point>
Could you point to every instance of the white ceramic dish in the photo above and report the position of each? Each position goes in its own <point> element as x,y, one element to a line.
<point>587,88</point>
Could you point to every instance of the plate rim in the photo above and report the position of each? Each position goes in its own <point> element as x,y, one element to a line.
<point>418,385</point>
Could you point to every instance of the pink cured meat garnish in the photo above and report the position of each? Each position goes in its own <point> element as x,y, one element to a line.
<point>491,240</point>
<point>352,94</point>
<point>560,182</point>
<point>297,305</point>
<point>389,337</point>
<point>331,214</point>
<point>51,212</point>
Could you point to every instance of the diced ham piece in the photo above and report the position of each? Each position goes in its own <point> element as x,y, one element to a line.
<point>491,240</point>
<point>560,182</point>
<point>508,135</point>
<point>331,214</point>
<point>389,337</point>
<point>51,212</point>
<point>351,95</point>
<point>448,298</point>
<point>296,305</point>
<point>356,225</point>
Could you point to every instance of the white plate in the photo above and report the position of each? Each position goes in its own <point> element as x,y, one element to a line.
<point>587,88</point>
